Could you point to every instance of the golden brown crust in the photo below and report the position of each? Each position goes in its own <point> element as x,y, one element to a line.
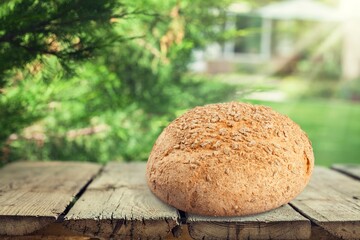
<point>230,159</point>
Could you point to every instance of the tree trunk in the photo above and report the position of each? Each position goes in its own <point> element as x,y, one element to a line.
<point>351,44</point>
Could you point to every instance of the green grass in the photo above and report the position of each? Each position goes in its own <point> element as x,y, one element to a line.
<point>333,126</point>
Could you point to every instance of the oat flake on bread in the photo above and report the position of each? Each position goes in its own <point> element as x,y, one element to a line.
<point>230,159</point>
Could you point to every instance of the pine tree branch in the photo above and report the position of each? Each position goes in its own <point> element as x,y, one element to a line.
<point>33,50</point>
<point>12,35</point>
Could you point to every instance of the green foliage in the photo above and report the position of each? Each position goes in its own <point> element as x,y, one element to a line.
<point>326,65</point>
<point>25,98</point>
<point>113,106</point>
<point>69,30</point>
<point>33,31</point>
<point>94,122</point>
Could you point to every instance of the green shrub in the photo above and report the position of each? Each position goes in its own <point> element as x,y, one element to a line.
<point>113,106</point>
<point>85,127</point>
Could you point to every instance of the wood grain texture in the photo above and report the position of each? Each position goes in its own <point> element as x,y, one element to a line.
<point>34,194</point>
<point>53,231</point>
<point>119,204</point>
<point>319,233</point>
<point>331,200</point>
<point>352,170</point>
<point>280,223</point>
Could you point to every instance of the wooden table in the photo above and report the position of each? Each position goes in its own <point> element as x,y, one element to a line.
<point>73,200</point>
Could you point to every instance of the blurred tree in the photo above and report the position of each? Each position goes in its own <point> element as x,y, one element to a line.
<point>351,39</point>
<point>126,94</point>
<point>30,32</point>
<point>67,29</point>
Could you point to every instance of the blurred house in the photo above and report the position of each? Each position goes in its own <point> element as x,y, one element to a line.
<point>274,34</point>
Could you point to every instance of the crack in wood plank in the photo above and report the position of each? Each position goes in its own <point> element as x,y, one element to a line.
<point>330,202</point>
<point>352,170</point>
<point>34,194</point>
<point>120,193</point>
<point>327,201</point>
<point>61,217</point>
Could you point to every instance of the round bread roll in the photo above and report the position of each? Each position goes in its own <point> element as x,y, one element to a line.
<point>230,159</point>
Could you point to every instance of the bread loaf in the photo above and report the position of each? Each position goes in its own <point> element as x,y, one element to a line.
<point>230,159</point>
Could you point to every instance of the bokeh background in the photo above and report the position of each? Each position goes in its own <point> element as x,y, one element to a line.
<point>91,80</point>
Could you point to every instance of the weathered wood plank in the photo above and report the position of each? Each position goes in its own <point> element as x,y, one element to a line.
<point>34,194</point>
<point>352,170</point>
<point>331,200</point>
<point>281,223</point>
<point>53,231</point>
<point>119,204</point>
<point>319,233</point>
